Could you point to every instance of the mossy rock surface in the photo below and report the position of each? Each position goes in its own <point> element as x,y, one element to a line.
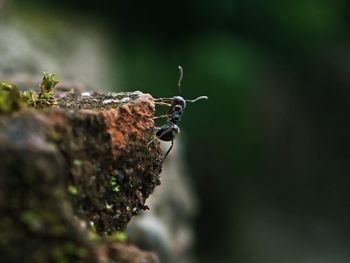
<point>81,166</point>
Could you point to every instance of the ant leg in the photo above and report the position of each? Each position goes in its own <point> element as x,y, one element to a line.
<point>171,146</point>
<point>169,100</point>
<point>155,138</point>
<point>164,101</point>
<point>161,116</point>
<point>163,104</point>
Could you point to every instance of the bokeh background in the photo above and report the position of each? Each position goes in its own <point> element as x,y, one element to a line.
<point>269,152</point>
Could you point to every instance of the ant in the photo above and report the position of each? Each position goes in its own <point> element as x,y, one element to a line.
<point>177,105</point>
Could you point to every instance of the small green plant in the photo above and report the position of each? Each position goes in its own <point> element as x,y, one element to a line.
<point>47,88</point>
<point>30,98</point>
<point>12,100</point>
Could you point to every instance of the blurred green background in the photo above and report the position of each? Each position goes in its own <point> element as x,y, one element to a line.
<point>269,151</point>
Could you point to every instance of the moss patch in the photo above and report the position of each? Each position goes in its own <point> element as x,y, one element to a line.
<point>10,98</point>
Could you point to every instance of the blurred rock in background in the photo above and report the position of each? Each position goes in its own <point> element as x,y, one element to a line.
<point>77,49</point>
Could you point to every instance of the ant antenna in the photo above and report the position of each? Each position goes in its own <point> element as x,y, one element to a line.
<point>199,98</point>
<point>180,79</point>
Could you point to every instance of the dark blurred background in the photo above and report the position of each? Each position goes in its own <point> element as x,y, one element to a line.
<point>269,152</point>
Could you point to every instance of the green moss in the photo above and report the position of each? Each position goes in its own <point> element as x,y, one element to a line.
<point>77,162</point>
<point>10,99</point>
<point>92,233</point>
<point>108,206</point>
<point>118,236</point>
<point>115,236</point>
<point>30,98</point>
<point>47,88</point>
<point>114,185</point>
<point>93,236</point>
<point>47,85</point>
<point>72,190</point>
<point>28,217</point>
<point>31,220</point>
<point>116,188</point>
<point>68,252</point>
<point>73,250</point>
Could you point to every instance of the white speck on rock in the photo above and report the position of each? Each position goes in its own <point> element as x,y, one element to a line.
<point>85,94</point>
<point>126,99</point>
<point>109,101</point>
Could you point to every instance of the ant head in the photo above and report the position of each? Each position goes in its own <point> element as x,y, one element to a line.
<point>178,100</point>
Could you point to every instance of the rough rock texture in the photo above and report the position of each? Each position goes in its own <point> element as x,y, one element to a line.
<point>81,167</point>
<point>111,166</point>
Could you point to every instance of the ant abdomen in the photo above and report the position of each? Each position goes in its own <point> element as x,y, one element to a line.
<point>167,132</point>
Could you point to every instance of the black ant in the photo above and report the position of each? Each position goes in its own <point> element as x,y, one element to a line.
<point>177,106</point>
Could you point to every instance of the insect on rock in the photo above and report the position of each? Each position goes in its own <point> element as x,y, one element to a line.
<point>177,105</point>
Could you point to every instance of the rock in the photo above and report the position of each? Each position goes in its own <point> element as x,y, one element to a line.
<point>83,161</point>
